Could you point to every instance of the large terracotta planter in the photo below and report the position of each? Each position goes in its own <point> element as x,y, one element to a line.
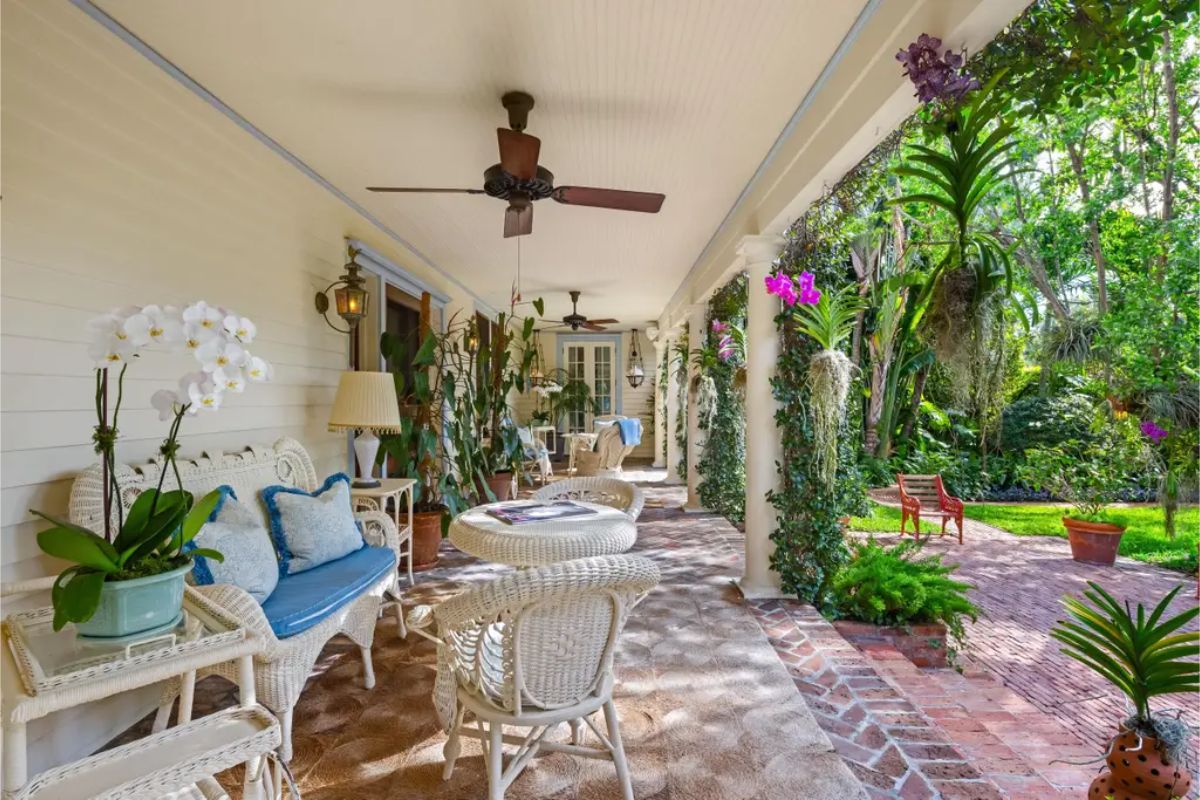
<point>427,538</point>
<point>1093,542</point>
<point>500,484</point>
<point>1139,772</point>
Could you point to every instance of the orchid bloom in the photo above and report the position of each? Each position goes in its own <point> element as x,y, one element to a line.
<point>196,335</point>
<point>204,395</point>
<point>808,294</point>
<point>154,324</point>
<point>204,315</point>
<point>1152,432</point>
<point>108,343</point>
<point>220,354</point>
<point>780,284</point>
<point>240,328</point>
<point>725,348</point>
<point>719,327</point>
<point>256,369</point>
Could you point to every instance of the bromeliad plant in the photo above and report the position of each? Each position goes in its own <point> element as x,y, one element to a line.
<point>153,537</point>
<point>828,319</point>
<point>1144,656</point>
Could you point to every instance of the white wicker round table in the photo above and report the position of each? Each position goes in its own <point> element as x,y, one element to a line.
<point>533,544</point>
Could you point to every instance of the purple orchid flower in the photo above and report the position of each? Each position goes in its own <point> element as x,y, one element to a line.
<point>1152,432</point>
<point>809,295</point>
<point>719,327</point>
<point>780,284</point>
<point>725,349</point>
<point>936,77</point>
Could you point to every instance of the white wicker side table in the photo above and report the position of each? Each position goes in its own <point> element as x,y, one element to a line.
<point>44,672</point>
<point>532,544</point>
<point>375,499</point>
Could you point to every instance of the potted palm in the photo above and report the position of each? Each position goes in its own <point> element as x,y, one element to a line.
<point>1090,476</point>
<point>1144,656</point>
<point>127,577</point>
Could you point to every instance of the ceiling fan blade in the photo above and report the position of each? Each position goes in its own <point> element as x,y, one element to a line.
<point>518,221</point>
<point>411,190</point>
<point>647,202</point>
<point>604,321</point>
<point>518,153</point>
<point>591,326</point>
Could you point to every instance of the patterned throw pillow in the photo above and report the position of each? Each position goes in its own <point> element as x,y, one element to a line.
<point>237,533</point>
<point>312,529</point>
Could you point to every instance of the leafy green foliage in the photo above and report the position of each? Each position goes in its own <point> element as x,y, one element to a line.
<point>722,464</point>
<point>1143,656</point>
<point>1040,421</point>
<point>150,541</point>
<point>896,586</point>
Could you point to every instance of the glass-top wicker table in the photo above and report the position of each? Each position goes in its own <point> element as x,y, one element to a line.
<point>607,531</point>
<point>46,671</point>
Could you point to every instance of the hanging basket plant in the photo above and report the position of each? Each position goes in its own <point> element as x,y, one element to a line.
<point>828,320</point>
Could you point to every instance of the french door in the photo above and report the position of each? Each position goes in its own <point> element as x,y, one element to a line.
<point>595,365</point>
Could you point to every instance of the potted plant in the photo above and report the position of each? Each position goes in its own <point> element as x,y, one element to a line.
<point>1144,656</point>
<point>127,578</point>
<point>1090,476</point>
<point>895,596</point>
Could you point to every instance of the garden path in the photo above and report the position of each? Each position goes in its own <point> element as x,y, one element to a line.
<point>1019,582</point>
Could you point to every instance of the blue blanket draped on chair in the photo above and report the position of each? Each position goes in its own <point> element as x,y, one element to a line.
<point>631,431</point>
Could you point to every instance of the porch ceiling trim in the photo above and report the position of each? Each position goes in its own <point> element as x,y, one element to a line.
<point>100,16</point>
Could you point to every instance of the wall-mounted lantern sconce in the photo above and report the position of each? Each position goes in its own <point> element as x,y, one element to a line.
<point>471,337</point>
<point>349,295</point>
<point>637,372</point>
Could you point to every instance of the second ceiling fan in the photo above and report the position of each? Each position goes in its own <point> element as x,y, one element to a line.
<point>521,181</point>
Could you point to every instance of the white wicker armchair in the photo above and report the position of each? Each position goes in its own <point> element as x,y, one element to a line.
<point>618,494</point>
<point>534,649</point>
<point>283,666</point>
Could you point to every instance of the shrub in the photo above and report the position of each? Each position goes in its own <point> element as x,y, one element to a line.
<point>1041,421</point>
<point>896,586</point>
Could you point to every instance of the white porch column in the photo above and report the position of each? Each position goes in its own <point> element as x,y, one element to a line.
<point>694,437</point>
<point>660,423</point>
<point>673,476</point>
<point>763,447</point>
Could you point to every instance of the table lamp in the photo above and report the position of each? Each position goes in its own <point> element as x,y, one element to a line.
<point>366,402</point>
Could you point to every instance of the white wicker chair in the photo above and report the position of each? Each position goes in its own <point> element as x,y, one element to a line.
<point>606,491</point>
<point>283,667</point>
<point>534,649</point>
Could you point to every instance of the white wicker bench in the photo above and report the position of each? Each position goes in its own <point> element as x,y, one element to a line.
<point>283,667</point>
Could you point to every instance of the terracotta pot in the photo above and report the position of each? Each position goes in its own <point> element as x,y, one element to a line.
<point>500,484</point>
<point>427,538</point>
<point>1139,773</point>
<point>1093,542</point>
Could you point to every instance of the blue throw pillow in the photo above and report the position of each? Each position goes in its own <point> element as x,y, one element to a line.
<point>312,529</point>
<point>237,533</point>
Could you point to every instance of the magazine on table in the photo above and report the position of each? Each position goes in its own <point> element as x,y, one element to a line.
<point>522,513</point>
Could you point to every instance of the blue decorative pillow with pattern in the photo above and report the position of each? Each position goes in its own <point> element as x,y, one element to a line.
<point>237,533</point>
<point>311,529</point>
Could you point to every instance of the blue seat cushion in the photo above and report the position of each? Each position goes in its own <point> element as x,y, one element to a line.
<point>302,600</point>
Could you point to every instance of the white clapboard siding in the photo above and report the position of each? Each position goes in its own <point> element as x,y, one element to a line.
<point>123,187</point>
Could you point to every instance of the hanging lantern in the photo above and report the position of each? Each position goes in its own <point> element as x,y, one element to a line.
<point>537,369</point>
<point>349,295</point>
<point>636,373</point>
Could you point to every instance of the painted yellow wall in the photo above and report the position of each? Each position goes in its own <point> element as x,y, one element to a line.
<point>120,186</point>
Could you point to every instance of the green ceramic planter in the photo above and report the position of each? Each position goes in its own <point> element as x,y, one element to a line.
<point>137,605</point>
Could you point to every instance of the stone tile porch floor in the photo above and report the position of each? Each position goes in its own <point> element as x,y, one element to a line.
<point>708,711</point>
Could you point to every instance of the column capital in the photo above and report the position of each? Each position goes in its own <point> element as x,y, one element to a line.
<point>760,249</point>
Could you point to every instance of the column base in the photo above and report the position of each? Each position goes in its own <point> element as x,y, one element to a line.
<point>756,592</point>
<point>689,508</point>
<point>659,464</point>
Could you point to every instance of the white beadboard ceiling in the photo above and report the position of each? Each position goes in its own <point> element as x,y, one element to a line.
<point>683,97</point>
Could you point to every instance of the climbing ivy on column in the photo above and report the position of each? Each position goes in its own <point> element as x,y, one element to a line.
<point>809,539</point>
<point>722,467</point>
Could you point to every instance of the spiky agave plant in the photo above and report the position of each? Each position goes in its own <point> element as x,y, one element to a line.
<point>829,323</point>
<point>1143,656</point>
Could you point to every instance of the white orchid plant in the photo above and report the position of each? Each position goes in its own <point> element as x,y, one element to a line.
<point>154,537</point>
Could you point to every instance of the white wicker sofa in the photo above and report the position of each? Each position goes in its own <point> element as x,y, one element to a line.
<point>283,667</point>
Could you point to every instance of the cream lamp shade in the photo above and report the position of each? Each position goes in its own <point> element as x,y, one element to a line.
<point>365,401</point>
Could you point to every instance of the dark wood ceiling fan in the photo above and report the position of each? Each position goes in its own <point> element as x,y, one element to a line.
<point>520,180</point>
<point>575,320</point>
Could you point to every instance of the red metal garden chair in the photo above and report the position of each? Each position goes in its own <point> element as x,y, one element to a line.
<point>925,494</point>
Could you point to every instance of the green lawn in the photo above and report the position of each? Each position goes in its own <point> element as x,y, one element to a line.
<point>1144,539</point>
